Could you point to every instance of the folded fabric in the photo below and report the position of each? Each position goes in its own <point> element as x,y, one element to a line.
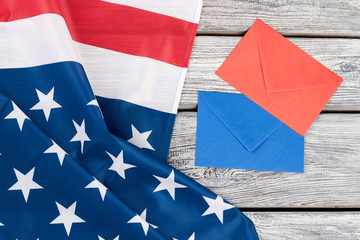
<point>47,80</point>
<point>56,97</point>
<point>280,77</point>
<point>135,54</point>
<point>234,132</point>
<point>45,194</point>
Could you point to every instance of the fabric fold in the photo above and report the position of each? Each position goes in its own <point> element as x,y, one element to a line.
<point>174,202</point>
<point>144,51</point>
<point>55,196</point>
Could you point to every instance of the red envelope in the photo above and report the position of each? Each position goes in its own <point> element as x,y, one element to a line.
<point>280,77</point>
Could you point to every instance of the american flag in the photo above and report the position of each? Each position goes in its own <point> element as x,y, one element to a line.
<point>89,92</point>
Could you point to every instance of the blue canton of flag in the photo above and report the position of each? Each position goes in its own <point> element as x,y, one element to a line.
<point>56,97</point>
<point>45,194</point>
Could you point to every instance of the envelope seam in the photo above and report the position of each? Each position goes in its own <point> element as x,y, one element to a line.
<point>249,149</point>
<point>259,54</point>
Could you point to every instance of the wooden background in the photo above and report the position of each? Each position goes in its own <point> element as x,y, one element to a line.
<point>323,202</point>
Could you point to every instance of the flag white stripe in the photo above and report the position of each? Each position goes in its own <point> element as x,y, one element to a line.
<point>143,81</point>
<point>35,41</point>
<point>182,9</point>
<point>45,39</point>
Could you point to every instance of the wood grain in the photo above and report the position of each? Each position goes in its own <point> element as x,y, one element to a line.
<point>332,168</point>
<point>306,225</point>
<point>289,17</point>
<point>340,55</point>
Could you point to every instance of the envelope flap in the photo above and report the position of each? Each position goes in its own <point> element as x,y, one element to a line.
<point>247,121</point>
<point>285,66</point>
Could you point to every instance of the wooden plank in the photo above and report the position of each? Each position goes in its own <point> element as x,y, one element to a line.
<point>306,225</point>
<point>332,169</point>
<point>340,55</point>
<point>290,17</point>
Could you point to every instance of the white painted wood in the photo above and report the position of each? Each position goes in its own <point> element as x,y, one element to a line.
<point>306,225</point>
<point>332,145</point>
<point>340,55</point>
<point>290,17</point>
<point>332,168</point>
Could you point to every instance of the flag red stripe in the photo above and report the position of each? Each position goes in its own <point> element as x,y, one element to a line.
<point>114,27</point>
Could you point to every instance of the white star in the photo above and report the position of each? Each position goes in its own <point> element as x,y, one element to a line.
<point>192,237</point>
<point>18,115</point>
<point>58,150</point>
<point>96,184</point>
<point>217,206</point>
<point>100,238</point>
<point>142,220</point>
<point>46,103</point>
<point>80,135</point>
<point>118,164</point>
<point>153,226</point>
<point>1,224</point>
<point>93,102</point>
<point>25,183</point>
<point>140,139</point>
<point>168,184</point>
<point>67,217</point>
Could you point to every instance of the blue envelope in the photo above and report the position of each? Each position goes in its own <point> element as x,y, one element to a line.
<point>234,132</point>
